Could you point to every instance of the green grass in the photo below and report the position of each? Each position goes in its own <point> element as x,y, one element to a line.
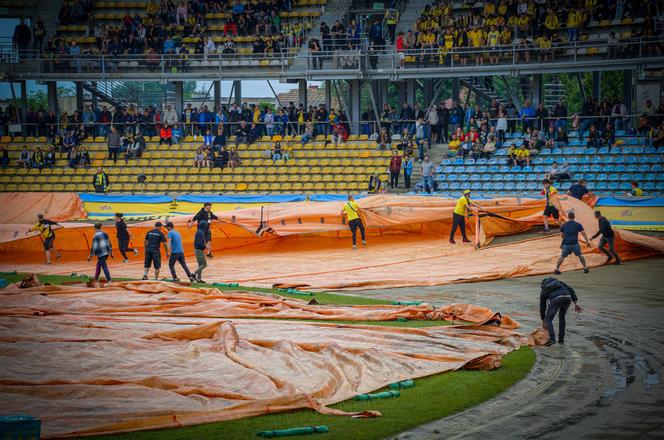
<point>432,398</point>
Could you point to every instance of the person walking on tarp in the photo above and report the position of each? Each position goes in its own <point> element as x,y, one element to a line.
<point>555,298</point>
<point>123,235</point>
<point>608,238</point>
<point>177,252</point>
<point>352,212</point>
<point>201,247</point>
<point>153,240</point>
<point>45,228</point>
<point>205,214</point>
<point>459,216</point>
<point>569,231</point>
<point>550,209</point>
<point>102,249</point>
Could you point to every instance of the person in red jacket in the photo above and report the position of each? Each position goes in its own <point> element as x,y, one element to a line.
<point>165,135</point>
<point>395,169</point>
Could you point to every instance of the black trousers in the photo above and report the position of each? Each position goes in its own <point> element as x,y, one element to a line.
<point>558,305</point>
<point>394,179</point>
<point>406,179</point>
<point>458,221</point>
<point>178,257</point>
<point>354,225</point>
<point>113,154</point>
<point>123,245</point>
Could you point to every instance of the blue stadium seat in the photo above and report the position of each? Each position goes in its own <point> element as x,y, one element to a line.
<point>510,186</point>
<point>517,134</point>
<point>660,150</point>
<point>619,159</point>
<point>649,176</point>
<point>584,168</point>
<point>520,177</point>
<point>613,186</point>
<point>493,161</point>
<point>620,132</point>
<point>607,159</point>
<point>446,162</point>
<point>476,186</point>
<point>457,161</point>
<point>596,168</point>
<point>659,186</point>
<point>549,160</point>
<point>573,159</point>
<point>637,150</point>
<point>515,169</point>
<point>637,176</point>
<point>518,143</point>
<point>567,151</point>
<point>527,169</point>
<point>609,168</point>
<point>574,143</point>
<point>574,168</point>
<point>580,151</point>
<point>657,159</point>
<point>590,185</point>
<point>602,177</point>
<point>649,186</point>
<point>631,168</point>
<point>603,150</point>
<point>438,170</point>
<point>646,159</point>
<point>566,186</point>
<point>482,169</point>
<point>441,177</point>
<point>498,186</point>
<point>443,186</point>
<point>471,169</point>
<point>584,160</point>
<point>590,177</point>
<point>538,169</point>
<point>452,177</point>
<point>619,168</point>
<point>486,177</point>
<point>615,151</point>
<point>501,152</point>
<point>573,134</point>
<point>465,185</point>
<point>537,160</point>
<point>534,177</point>
<point>504,169</point>
<point>579,176</point>
<point>463,177</point>
<point>626,177</point>
<point>487,187</point>
<point>614,176</point>
<point>545,152</point>
<point>455,186</point>
<point>632,159</point>
<point>481,161</point>
<point>494,169</point>
<point>650,150</point>
<point>531,186</point>
<point>657,168</point>
<point>470,161</point>
<point>633,141</point>
<point>590,151</point>
<point>448,169</point>
<point>496,177</point>
<point>596,159</point>
<point>601,186</point>
<point>459,169</point>
<point>557,151</point>
<point>474,177</point>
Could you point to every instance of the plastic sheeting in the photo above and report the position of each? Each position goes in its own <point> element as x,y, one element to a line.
<point>308,245</point>
<point>641,213</point>
<point>144,355</point>
<point>23,207</point>
<point>241,199</point>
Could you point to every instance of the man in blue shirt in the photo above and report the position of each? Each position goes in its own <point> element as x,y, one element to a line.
<point>527,115</point>
<point>569,232</point>
<point>177,252</point>
<point>578,190</point>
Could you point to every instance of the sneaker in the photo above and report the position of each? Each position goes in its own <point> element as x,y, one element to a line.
<point>586,270</point>
<point>126,260</point>
<point>557,272</point>
<point>618,261</point>
<point>550,342</point>
<point>145,278</point>
<point>546,230</point>
<point>608,260</point>
<point>465,240</point>
<point>58,256</point>
<point>135,251</point>
<point>452,241</point>
<point>192,279</point>
<point>364,243</point>
<point>561,341</point>
<point>176,280</point>
<point>210,256</point>
<point>48,262</point>
<point>200,281</point>
<point>109,282</point>
<point>354,247</point>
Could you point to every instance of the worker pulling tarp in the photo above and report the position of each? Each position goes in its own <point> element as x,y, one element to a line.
<point>146,355</point>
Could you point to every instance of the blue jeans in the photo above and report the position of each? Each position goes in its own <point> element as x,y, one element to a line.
<point>557,305</point>
<point>427,181</point>
<point>585,125</point>
<point>573,34</point>
<point>420,147</point>
<point>561,123</point>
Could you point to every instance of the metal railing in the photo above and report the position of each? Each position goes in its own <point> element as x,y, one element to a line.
<point>362,58</point>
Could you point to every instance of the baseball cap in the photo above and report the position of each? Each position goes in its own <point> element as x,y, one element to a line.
<point>466,192</point>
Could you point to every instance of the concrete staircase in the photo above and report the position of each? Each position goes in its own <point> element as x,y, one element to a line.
<point>410,15</point>
<point>438,152</point>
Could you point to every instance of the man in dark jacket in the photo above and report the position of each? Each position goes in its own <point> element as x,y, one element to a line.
<point>153,241</point>
<point>608,238</point>
<point>205,214</point>
<point>200,248</point>
<point>556,297</point>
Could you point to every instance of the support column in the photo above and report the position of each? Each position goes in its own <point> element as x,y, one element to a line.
<point>24,105</point>
<point>94,98</point>
<point>237,86</point>
<point>217,94</point>
<point>79,96</point>
<point>597,85</point>
<point>455,89</point>
<point>628,89</point>
<point>179,97</point>
<point>428,92</point>
<point>303,95</point>
<point>537,89</point>
<point>328,95</point>
<point>354,104</point>
<point>401,88</point>
<point>383,87</point>
<point>52,96</point>
<point>411,86</point>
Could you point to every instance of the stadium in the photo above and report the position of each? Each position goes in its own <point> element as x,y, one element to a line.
<point>330,219</point>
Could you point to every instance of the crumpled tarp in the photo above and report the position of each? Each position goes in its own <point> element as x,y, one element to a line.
<point>144,355</point>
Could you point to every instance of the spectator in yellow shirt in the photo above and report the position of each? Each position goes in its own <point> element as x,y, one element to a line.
<point>454,144</point>
<point>493,40</point>
<point>573,23</point>
<point>522,156</point>
<point>551,22</point>
<point>545,52</point>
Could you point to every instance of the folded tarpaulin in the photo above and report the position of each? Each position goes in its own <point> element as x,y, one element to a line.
<point>23,207</point>
<point>265,198</point>
<point>631,201</point>
<point>333,197</point>
<point>121,198</point>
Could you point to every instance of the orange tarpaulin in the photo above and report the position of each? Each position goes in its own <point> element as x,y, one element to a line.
<point>22,208</point>
<point>308,245</point>
<point>155,355</point>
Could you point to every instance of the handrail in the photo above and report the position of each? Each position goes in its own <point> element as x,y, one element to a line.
<point>361,59</point>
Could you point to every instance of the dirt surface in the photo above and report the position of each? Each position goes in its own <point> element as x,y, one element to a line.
<point>606,382</point>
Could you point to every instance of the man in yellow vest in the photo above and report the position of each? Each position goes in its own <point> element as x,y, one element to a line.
<point>391,18</point>
<point>459,215</point>
<point>352,212</point>
<point>45,228</point>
